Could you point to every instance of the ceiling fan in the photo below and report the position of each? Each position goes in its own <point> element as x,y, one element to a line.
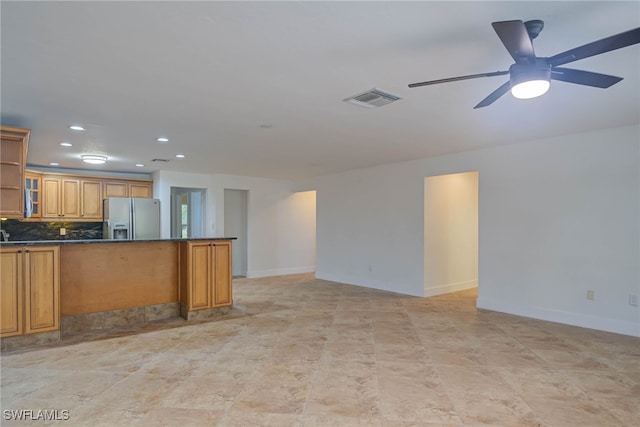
<point>530,75</point>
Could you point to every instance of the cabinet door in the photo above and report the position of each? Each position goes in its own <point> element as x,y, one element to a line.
<point>13,156</point>
<point>91,199</point>
<point>71,198</point>
<point>52,189</point>
<point>32,183</point>
<point>222,274</point>
<point>200,277</point>
<point>115,189</point>
<point>141,190</point>
<point>42,289</point>
<point>11,290</point>
<point>61,198</point>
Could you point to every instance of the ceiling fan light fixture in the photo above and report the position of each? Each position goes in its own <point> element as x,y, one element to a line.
<point>529,81</point>
<point>530,89</point>
<point>94,159</point>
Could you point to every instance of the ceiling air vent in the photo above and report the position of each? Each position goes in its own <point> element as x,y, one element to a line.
<point>372,98</point>
<point>160,160</point>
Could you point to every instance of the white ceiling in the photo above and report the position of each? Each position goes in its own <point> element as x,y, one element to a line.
<point>256,88</point>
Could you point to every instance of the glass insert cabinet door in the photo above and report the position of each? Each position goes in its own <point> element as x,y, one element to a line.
<point>32,185</point>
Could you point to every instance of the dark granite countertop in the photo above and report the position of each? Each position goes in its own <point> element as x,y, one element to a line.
<point>91,241</point>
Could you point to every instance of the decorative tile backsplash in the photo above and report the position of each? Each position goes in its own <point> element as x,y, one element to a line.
<point>28,230</point>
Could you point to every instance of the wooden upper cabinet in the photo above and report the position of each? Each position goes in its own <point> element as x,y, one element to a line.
<point>144,190</point>
<point>91,199</point>
<point>33,183</point>
<point>115,189</point>
<point>13,158</point>
<point>78,197</point>
<point>52,188</point>
<point>71,198</point>
<point>128,189</point>
<point>61,198</point>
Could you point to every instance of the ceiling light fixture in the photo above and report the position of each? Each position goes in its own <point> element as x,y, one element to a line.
<point>76,127</point>
<point>94,159</point>
<point>180,156</point>
<point>54,164</point>
<point>162,139</point>
<point>140,165</point>
<point>529,81</point>
<point>66,144</point>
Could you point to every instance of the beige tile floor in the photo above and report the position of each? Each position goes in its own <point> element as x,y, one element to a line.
<point>303,352</point>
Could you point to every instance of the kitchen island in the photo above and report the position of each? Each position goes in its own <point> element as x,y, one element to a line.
<point>95,284</point>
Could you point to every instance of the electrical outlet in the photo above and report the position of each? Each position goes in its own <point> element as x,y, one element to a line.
<point>591,295</point>
<point>633,300</point>
<point>63,231</point>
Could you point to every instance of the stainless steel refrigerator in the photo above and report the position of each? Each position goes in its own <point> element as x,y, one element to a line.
<point>130,218</point>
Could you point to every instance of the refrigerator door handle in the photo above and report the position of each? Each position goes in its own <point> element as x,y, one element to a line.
<point>132,224</point>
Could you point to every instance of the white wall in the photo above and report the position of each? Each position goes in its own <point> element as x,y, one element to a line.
<point>298,222</point>
<point>162,183</point>
<point>277,243</point>
<point>556,217</point>
<point>280,228</point>
<point>235,224</point>
<point>450,233</point>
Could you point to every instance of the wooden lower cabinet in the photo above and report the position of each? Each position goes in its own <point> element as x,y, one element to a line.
<point>205,274</point>
<point>11,292</point>
<point>30,290</point>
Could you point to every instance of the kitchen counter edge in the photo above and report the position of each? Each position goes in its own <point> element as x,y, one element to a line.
<point>95,241</point>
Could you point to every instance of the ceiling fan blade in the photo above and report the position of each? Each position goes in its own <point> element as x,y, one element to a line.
<point>455,79</point>
<point>586,78</point>
<point>607,44</point>
<point>493,96</point>
<point>516,39</point>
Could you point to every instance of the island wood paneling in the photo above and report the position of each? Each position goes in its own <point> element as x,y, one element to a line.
<point>110,276</point>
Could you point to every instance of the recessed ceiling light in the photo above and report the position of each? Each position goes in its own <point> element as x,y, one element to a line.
<point>94,159</point>
<point>66,144</point>
<point>76,127</point>
<point>54,164</point>
<point>140,165</point>
<point>162,139</point>
<point>180,156</point>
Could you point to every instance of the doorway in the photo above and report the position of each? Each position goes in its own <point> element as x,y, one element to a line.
<point>187,212</point>
<point>450,233</point>
<point>235,225</point>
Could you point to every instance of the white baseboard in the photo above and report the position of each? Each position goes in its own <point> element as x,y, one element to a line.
<point>569,318</point>
<point>280,271</point>
<point>368,283</point>
<point>451,287</point>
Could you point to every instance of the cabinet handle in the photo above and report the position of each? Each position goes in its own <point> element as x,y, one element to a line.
<point>27,250</point>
